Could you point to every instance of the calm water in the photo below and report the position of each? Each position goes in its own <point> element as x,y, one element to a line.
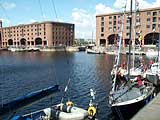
<point>22,73</point>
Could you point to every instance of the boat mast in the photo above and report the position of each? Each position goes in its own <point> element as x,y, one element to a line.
<point>120,47</point>
<point>134,29</point>
<point>130,41</point>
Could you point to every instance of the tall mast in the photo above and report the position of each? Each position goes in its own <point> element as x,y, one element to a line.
<point>134,39</point>
<point>159,47</point>
<point>119,49</point>
<point>130,40</point>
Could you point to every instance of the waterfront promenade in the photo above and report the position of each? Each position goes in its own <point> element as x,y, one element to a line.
<point>151,111</point>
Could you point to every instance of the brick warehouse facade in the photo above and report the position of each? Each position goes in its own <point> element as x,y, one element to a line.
<point>148,26</point>
<point>44,34</point>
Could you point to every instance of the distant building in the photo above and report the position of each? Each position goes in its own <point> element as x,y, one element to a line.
<point>37,34</point>
<point>147,27</point>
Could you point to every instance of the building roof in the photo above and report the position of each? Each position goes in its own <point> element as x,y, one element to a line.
<point>35,23</point>
<point>117,13</point>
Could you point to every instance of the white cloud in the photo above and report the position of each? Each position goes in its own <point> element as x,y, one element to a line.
<point>80,17</point>
<point>8,6</point>
<point>5,22</point>
<point>156,3</point>
<point>142,4</point>
<point>32,20</point>
<point>84,23</point>
<point>101,8</point>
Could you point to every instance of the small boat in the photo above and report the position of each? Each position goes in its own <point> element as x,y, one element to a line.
<point>153,74</point>
<point>60,111</point>
<point>152,53</point>
<point>33,49</point>
<point>17,49</point>
<point>92,51</point>
<point>63,112</point>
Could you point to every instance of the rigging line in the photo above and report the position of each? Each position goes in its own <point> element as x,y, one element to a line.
<point>42,15</point>
<point>54,7</point>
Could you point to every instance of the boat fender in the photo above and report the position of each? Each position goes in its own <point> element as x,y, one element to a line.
<point>70,103</point>
<point>92,111</point>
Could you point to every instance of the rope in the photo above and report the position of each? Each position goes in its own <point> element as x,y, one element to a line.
<point>42,15</point>
<point>5,12</point>
<point>52,1</point>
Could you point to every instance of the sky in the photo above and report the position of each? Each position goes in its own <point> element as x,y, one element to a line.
<point>80,12</point>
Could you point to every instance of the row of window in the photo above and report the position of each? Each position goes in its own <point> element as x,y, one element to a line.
<point>153,26</point>
<point>23,27</point>
<point>154,13</point>
<point>61,37</point>
<point>10,31</point>
<point>10,35</point>
<point>62,43</point>
<point>154,19</point>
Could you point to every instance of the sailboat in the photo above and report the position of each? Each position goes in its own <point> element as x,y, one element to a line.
<point>128,95</point>
<point>138,68</point>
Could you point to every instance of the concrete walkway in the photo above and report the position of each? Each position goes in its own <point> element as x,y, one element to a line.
<point>151,111</point>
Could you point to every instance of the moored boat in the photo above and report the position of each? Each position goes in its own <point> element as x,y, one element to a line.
<point>128,95</point>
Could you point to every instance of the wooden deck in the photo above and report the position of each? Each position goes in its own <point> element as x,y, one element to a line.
<point>151,111</point>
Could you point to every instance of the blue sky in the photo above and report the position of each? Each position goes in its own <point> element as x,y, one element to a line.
<point>80,12</point>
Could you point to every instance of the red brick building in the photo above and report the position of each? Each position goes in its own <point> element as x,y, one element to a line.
<point>42,34</point>
<point>148,25</point>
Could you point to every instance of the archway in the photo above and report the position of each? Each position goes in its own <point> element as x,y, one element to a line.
<point>38,41</point>
<point>151,38</point>
<point>112,39</point>
<point>23,41</point>
<point>10,42</point>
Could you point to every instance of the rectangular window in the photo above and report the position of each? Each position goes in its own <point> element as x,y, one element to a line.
<point>102,35</point>
<point>147,26</point>
<point>153,26</point>
<point>128,21</point>
<point>114,17</point>
<point>32,42</point>
<point>154,19</point>
<point>102,29</point>
<point>45,42</point>
<point>110,22</point>
<point>127,34</point>
<point>102,18</point>
<point>110,28</point>
<point>127,27</point>
<point>102,23</point>
<point>110,17</point>
<point>148,19</point>
<point>114,29</point>
<point>114,23</point>
<point>148,13</point>
<point>154,13</point>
